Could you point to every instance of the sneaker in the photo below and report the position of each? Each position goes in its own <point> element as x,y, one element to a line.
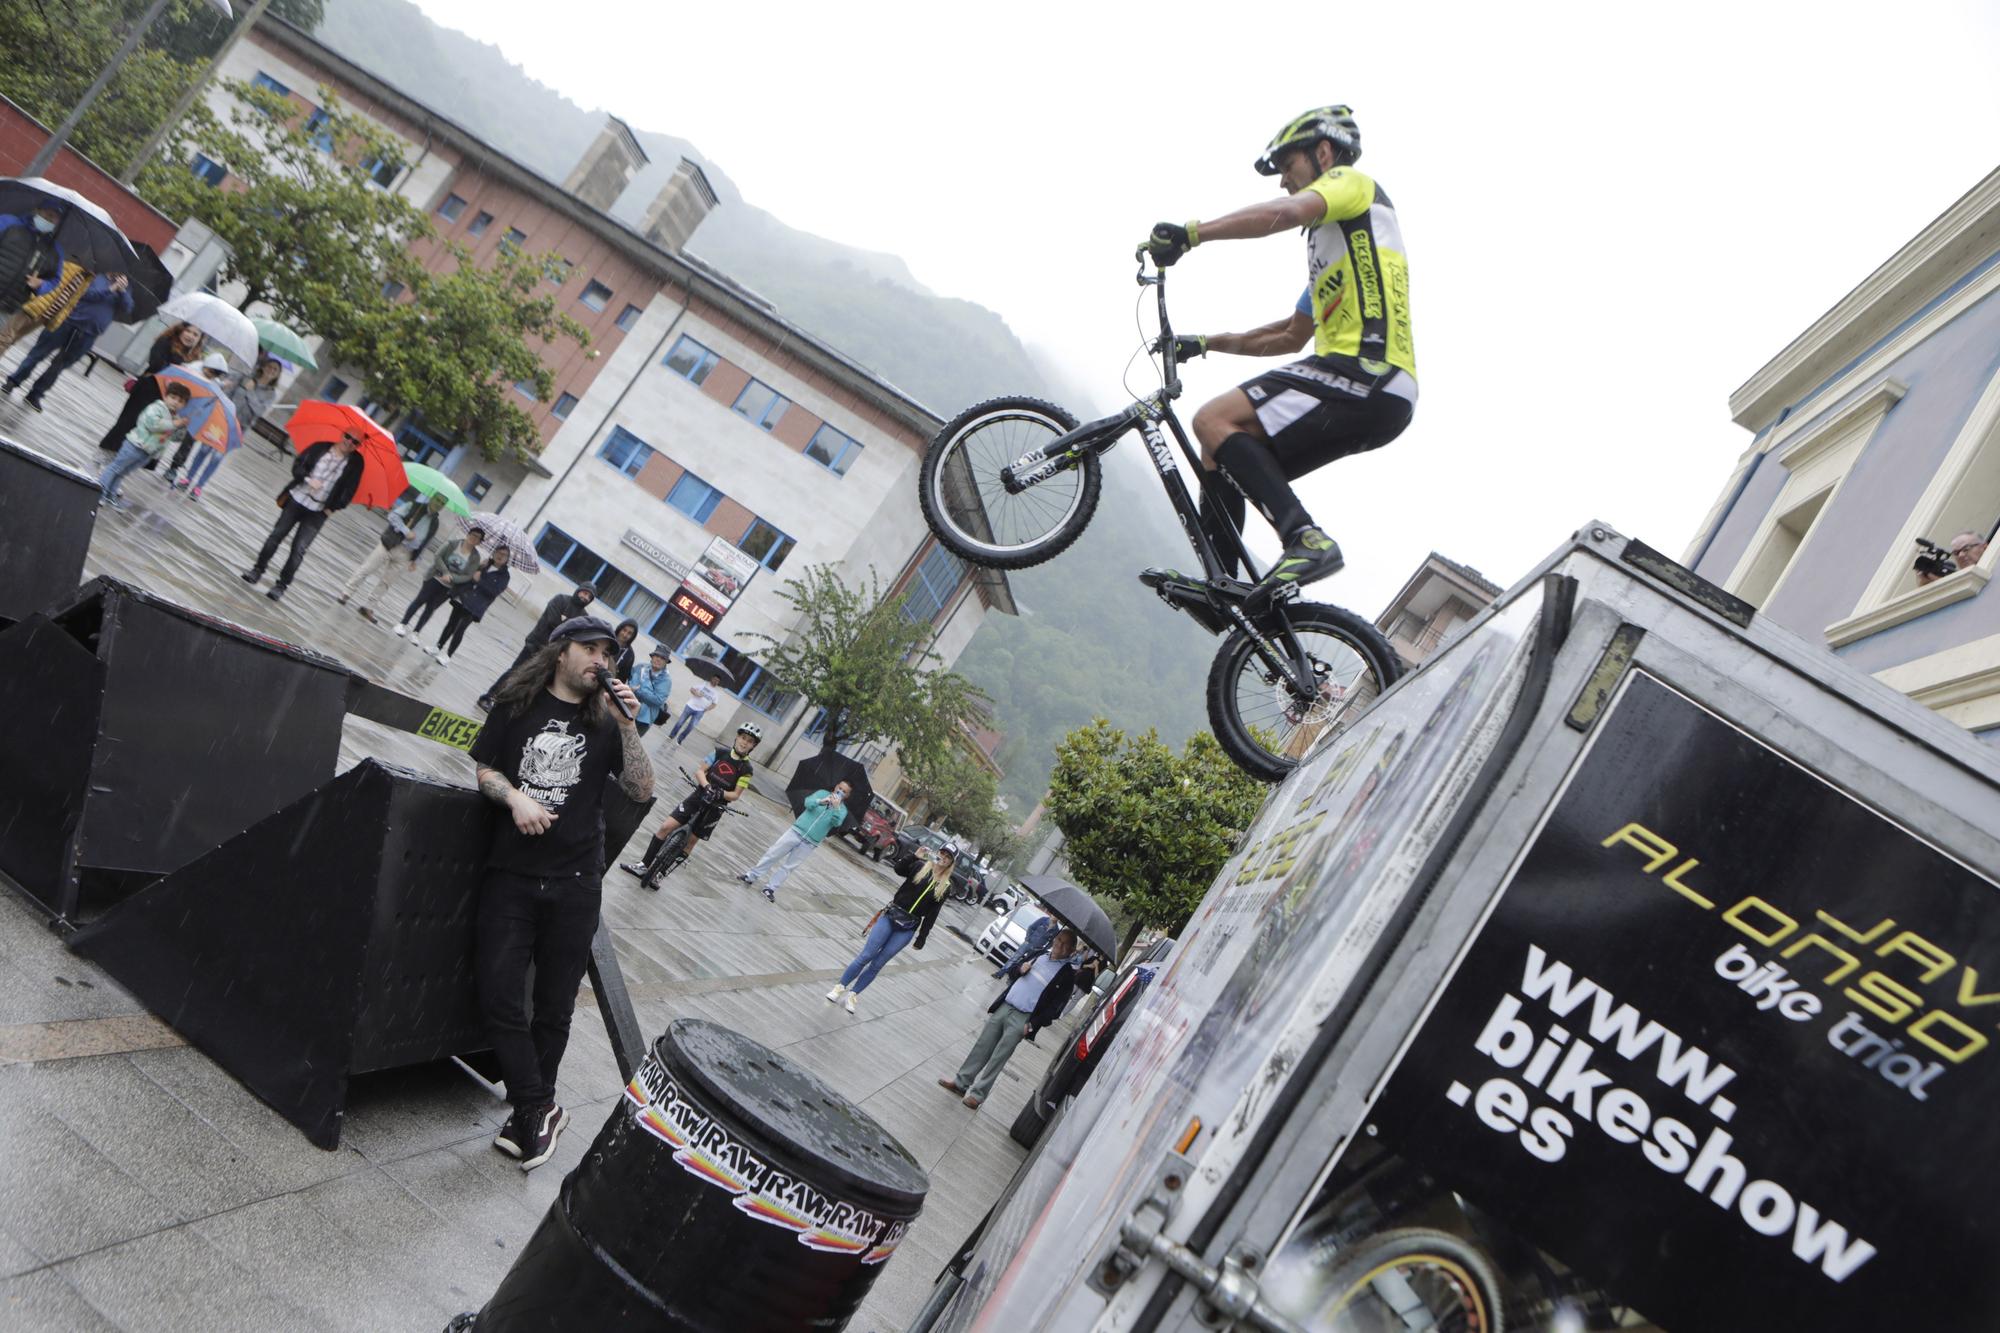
<point>181,485</point>
<point>35,403</point>
<point>508,1140</point>
<point>1311,556</point>
<point>850,1002</point>
<point>633,868</point>
<point>835,994</point>
<point>194,492</point>
<point>484,702</point>
<point>973,1101</point>
<point>747,879</point>
<point>444,658</point>
<point>365,614</point>
<point>402,630</point>
<point>277,593</point>
<point>340,600</point>
<point>251,575</point>
<point>542,1127</point>
<point>114,502</point>
<point>770,894</point>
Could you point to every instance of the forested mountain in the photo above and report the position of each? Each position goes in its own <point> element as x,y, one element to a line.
<point>1089,640</point>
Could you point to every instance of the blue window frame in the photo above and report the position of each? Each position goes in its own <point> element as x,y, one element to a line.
<point>382,170</point>
<point>694,497</point>
<point>479,224</point>
<point>595,295</point>
<point>514,237</point>
<point>760,404</point>
<point>833,450</point>
<point>564,405</point>
<point>766,543</point>
<point>763,693</point>
<point>616,590</point>
<point>690,360</point>
<point>624,450</point>
<point>628,317</point>
<point>391,290</point>
<point>334,389</point>
<point>451,208</point>
<point>526,388</point>
<point>323,139</point>
<point>938,575</point>
<point>208,169</point>
<point>269,84</point>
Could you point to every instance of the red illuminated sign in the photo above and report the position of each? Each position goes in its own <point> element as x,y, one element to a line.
<point>694,608</point>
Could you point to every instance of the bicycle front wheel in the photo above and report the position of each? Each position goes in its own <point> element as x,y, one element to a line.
<point>1414,1280</point>
<point>1263,722</point>
<point>672,852</point>
<point>970,508</point>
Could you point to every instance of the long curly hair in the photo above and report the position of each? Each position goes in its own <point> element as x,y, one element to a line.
<point>525,683</point>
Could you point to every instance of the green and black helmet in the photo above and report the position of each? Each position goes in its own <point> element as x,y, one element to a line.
<point>1335,124</point>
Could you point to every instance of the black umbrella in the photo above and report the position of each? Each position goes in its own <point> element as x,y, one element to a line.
<point>711,670</point>
<point>1077,910</point>
<point>84,231</point>
<point>152,285</point>
<point>819,773</point>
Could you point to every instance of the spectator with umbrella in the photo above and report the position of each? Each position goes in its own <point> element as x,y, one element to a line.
<point>156,425</point>
<point>30,262</point>
<point>106,300</point>
<point>178,345</point>
<point>1034,998</point>
<point>469,602</point>
<point>251,395</point>
<point>351,461</point>
<point>43,226</point>
<point>561,608</point>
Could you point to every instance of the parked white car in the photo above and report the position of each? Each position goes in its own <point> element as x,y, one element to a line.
<point>1002,939</point>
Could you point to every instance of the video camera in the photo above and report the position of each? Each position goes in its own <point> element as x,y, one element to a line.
<point>1934,560</point>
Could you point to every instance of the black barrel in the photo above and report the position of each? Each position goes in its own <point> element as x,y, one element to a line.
<point>47,514</point>
<point>730,1192</point>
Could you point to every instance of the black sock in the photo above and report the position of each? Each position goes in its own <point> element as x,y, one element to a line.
<point>1249,462</point>
<point>1222,503</point>
<point>653,847</point>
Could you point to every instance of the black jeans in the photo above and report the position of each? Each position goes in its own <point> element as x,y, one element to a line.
<point>67,349</point>
<point>430,596</point>
<point>454,629</point>
<point>303,523</point>
<point>548,923</point>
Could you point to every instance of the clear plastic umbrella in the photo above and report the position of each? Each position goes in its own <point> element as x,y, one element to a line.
<point>226,326</point>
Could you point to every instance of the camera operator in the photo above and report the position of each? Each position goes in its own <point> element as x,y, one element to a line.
<point>1937,562</point>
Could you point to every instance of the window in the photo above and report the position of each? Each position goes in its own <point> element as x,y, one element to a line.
<point>936,579</point>
<point>270,84</point>
<point>382,170</point>
<point>763,693</point>
<point>323,139</point>
<point>479,224</point>
<point>760,403</point>
<point>624,450</point>
<point>628,317</point>
<point>617,591</point>
<point>391,290</point>
<point>208,169</point>
<point>512,240</point>
<point>334,389</point>
<point>694,497</point>
<point>559,271</point>
<point>766,543</point>
<point>833,450</point>
<point>451,208</point>
<point>526,388</point>
<point>1763,574</point>
<point>564,403</point>
<point>595,295</point>
<point>690,360</point>
<point>477,488</point>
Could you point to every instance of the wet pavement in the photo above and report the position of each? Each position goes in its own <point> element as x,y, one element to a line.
<point>145,1189</point>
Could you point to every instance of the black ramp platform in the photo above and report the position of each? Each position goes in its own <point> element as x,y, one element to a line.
<point>191,730</point>
<point>47,514</point>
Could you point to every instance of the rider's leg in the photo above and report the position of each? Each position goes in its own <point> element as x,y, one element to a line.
<point>659,839</point>
<point>1216,421</point>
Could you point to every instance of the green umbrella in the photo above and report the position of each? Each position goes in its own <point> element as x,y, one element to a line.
<point>429,481</point>
<point>275,337</point>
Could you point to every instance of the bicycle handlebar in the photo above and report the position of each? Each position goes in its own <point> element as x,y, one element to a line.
<point>1164,344</point>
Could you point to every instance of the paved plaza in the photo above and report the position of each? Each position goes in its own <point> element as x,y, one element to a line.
<point>145,1189</point>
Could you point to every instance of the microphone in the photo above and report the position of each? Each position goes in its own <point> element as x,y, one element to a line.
<point>603,682</point>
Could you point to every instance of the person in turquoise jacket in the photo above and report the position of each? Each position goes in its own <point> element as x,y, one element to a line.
<point>822,814</point>
<point>651,684</point>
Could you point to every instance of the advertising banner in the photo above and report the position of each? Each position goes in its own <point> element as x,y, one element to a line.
<point>718,578</point>
<point>1725,1044</point>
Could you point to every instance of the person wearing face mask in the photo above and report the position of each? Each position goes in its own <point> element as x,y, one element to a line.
<point>30,263</point>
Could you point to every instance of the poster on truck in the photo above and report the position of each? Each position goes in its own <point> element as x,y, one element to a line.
<point>1723,1052</point>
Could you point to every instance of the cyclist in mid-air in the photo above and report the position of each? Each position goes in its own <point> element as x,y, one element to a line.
<point>1356,391</point>
<point>728,771</point>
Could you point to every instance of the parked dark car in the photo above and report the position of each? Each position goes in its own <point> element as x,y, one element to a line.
<point>877,833</point>
<point>912,836</point>
<point>1072,1066</point>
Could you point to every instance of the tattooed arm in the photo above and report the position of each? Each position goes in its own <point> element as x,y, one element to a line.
<point>635,776</point>
<point>530,816</point>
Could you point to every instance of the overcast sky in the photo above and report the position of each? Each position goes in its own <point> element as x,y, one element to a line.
<point>1613,218</point>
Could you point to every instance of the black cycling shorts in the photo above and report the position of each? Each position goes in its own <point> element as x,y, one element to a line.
<point>698,814</point>
<point>1325,407</point>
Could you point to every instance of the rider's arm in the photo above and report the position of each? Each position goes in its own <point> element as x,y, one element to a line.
<point>1307,208</point>
<point>736,791</point>
<point>1278,338</point>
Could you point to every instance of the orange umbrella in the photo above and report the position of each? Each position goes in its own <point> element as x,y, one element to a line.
<point>382,476</point>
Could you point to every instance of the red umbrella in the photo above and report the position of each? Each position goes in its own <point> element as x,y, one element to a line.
<point>382,476</point>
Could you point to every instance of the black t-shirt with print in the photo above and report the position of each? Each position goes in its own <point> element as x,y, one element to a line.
<point>725,771</point>
<point>553,752</point>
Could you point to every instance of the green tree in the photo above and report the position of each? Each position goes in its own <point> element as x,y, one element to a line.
<point>961,794</point>
<point>454,351</point>
<point>51,50</point>
<point>311,233</point>
<point>858,656</point>
<point>1144,826</point>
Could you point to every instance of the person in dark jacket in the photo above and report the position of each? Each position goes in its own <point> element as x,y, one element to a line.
<point>30,263</point>
<point>560,608</point>
<point>905,920</point>
<point>627,634</point>
<point>1034,998</point>
<point>470,600</point>
<point>107,300</point>
<point>324,479</point>
<point>177,345</point>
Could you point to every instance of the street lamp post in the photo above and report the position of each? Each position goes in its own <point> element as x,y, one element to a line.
<point>104,77</point>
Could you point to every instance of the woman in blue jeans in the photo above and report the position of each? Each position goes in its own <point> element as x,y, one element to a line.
<point>907,917</point>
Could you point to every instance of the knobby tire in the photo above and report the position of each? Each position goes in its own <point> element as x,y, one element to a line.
<point>1045,421</point>
<point>1411,1250</point>
<point>1238,654</point>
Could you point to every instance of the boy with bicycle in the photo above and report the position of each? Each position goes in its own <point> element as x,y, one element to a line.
<point>720,780</point>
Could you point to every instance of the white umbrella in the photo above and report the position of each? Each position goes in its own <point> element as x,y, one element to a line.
<point>86,232</point>
<point>227,326</point>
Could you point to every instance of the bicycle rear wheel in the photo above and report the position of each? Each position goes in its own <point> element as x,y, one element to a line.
<point>1262,723</point>
<point>1412,1280</point>
<point>972,512</point>
<point>672,853</point>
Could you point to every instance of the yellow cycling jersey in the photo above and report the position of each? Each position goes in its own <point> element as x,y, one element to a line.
<point>1359,276</point>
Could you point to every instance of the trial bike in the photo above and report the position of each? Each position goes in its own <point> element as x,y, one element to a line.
<point>674,852</point>
<point>1011,482</point>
